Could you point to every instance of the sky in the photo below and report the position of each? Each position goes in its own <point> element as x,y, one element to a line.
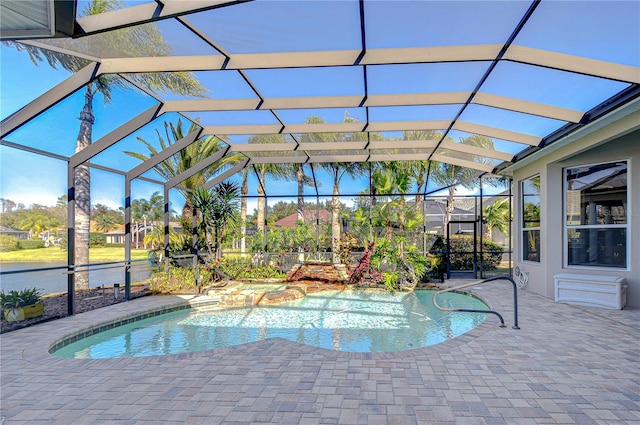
<point>29,178</point>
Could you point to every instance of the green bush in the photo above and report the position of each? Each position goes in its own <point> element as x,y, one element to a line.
<point>175,280</point>
<point>8,243</point>
<point>491,256</point>
<point>181,279</point>
<point>242,268</point>
<point>34,244</point>
<point>97,239</point>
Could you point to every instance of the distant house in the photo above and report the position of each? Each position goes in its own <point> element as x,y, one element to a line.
<point>309,217</point>
<point>12,231</point>
<point>138,232</point>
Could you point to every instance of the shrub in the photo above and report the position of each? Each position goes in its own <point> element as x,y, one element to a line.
<point>175,280</point>
<point>491,257</point>
<point>34,244</point>
<point>8,243</point>
<point>243,268</point>
<point>97,239</point>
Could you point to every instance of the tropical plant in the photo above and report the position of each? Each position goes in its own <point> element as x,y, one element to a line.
<point>178,280</point>
<point>450,175</point>
<point>21,298</point>
<point>183,160</point>
<point>419,169</point>
<point>217,209</point>
<point>36,221</point>
<point>275,171</point>
<point>127,40</point>
<point>497,216</point>
<point>106,222</point>
<point>177,241</point>
<point>337,170</point>
<point>243,268</point>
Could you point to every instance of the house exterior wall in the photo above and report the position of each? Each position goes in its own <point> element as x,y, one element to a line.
<point>617,141</point>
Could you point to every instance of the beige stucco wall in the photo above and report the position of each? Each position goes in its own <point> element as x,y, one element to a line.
<point>618,141</point>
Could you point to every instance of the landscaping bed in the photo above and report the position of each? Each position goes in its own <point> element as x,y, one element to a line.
<point>55,305</point>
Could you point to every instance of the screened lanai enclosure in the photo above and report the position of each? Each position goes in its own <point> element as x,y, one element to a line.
<point>321,127</point>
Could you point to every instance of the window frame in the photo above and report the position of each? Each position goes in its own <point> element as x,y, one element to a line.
<point>566,227</point>
<point>523,228</point>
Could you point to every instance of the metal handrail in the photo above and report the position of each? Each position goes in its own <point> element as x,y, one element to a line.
<point>74,268</point>
<point>467,285</point>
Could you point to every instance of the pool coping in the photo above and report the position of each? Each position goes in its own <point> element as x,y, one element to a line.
<point>155,305</point>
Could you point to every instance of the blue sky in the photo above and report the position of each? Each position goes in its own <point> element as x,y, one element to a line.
<point>28,178</point>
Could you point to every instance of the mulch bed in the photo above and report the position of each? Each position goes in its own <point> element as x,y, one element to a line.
<point>55,305</point>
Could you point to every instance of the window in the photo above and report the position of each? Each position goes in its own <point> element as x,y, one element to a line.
<point>596,215</point>
<point>530,190</point>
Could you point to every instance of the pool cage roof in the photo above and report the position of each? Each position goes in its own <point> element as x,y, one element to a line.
<point>336,81</point>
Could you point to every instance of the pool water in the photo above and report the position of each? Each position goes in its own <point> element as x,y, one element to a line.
<point>354,321</point>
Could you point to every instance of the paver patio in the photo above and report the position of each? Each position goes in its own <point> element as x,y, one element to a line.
<point>566,365</point>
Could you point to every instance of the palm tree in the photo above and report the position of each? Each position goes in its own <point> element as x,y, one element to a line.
<point>127,40</point>
<point>106,222</point>
<point>183,160</point>
<point>419,169</point>
<point>497,216</point>
<point>244,191</point>
<point>36,221</point>
<point>337,170</point>
<point>156,207</point>
<point>392,180</point>
<point>449,175</point>
<point>276,171</point>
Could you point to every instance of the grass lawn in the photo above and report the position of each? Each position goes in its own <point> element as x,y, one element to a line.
<point>55,254</point>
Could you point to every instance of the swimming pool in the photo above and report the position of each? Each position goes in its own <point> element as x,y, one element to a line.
<point>353,321</point>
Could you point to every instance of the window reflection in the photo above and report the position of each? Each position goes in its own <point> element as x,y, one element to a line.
<point>596,215</point>
<point>597,247</point>
<point>531,219</point>
<point>597,194</point>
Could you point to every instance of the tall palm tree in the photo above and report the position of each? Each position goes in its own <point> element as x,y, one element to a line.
<point>183,160</point>
<point>156,207</point>
<point>450,175</point>
<point>392,180</point>
<point>337,170</point>
<point>127,40</point>
<point>276,171</point>
<point>244,191</point>
<point>497,216</point>
<point>419,169</point>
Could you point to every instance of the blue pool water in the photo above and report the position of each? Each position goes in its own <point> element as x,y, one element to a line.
<point>355,321</point>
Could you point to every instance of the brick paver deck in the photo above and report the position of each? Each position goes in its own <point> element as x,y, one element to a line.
<point>566,365</point>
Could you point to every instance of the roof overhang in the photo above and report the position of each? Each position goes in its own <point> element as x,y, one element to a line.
<point>34,19</point>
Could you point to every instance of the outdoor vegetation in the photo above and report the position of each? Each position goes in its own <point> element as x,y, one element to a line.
<point>380,235</point>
